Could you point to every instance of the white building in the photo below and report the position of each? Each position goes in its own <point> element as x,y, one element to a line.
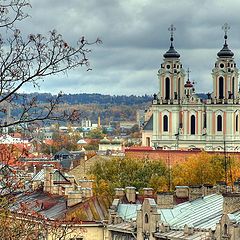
<point>181,120</point>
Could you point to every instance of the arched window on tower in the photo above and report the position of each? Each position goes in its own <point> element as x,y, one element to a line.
<point>236,125</point>
<point>165,123</point>
<point>167,88</point>
<point>146,218</point>
<point>233,87</point>
<point>179,87</point>
<point>219,123</point>
<point>220,88</point>
<point>193,125</point>
<point>225,229</point>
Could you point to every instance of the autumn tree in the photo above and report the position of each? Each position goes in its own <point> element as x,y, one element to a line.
<point>24,61</point>
<point>122,172</point>
<point>205,168</point>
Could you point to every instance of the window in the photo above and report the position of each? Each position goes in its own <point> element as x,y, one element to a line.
<point>219,123</point>
<point>225,229</point>
<point>236,125</point>
<point>179,87</point>
<point>220,88</point>
<point>146,218</point>
<point>233,87</point>
<point>193,125</point>
<point>165,123</point>
<point>167,88</point>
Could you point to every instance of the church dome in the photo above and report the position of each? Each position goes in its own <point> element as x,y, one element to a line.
<point>225,52</point>
<point>171,53</point>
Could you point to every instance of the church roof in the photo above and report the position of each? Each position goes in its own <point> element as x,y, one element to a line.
<point>171,53</point>
<point>225,52</point>
<point>149,124</point>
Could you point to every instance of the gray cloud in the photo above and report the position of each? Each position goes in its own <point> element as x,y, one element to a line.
<point>135,36</point>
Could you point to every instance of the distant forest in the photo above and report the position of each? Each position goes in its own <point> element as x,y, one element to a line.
<point>94,98</point>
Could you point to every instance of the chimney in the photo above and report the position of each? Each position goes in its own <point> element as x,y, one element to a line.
<point>73,198</point>
<point>208,189</point>
<point>221,187</point>
<point>131,194</point>
<point>165,199</point>
<point>182,191</point>
<point>195,192</point>
<point>119,193</point>
<point>231,202</point>
<point>148,192</point>
<point>48,178</point>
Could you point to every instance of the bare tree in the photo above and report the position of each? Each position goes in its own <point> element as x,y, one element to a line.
<point>27,60</point>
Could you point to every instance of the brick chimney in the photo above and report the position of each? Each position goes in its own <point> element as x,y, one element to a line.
<point>131,194</point>
<point>195,192</point>
<point>182,191</point>
<point>73,198</point>
<point>48,178</point>
<point>165,199</point>
<point>148,192</point>
<point>119,193</point>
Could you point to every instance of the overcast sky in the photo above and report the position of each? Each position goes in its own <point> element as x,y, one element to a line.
<point>135,36</point>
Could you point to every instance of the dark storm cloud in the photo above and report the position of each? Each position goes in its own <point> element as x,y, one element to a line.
<point>135,36</point>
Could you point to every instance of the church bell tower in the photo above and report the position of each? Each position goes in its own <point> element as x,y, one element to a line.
<point>225,73</point>
<point>171,74</point>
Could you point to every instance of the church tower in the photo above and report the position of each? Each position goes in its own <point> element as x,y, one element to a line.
<point>225,73</point>
<point>171,75</point>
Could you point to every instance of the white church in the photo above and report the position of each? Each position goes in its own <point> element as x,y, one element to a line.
<point>179,119</point>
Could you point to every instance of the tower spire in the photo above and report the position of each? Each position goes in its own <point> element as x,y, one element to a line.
<point>225,28</point>
<point>171,53</point>
<point>225,52</point>
<point>171,29</point>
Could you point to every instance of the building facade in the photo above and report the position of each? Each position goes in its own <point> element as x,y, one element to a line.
<point>180,119</point>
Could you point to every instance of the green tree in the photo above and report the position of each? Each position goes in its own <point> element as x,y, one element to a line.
<point>122,172</point>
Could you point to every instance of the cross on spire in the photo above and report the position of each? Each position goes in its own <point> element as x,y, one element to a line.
<point>171,29</point>
<point>188,73</point>
<point>225,28</point>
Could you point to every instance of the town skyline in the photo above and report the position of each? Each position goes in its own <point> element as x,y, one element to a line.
<point>135,36</point>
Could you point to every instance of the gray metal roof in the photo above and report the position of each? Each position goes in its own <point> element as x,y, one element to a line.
<point>128,211</point>
<point>181,235</point>
<point>201,213</point>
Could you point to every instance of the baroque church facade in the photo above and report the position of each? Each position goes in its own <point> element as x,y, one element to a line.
<point>179,119</point>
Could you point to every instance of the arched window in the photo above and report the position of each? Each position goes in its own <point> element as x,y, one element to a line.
<point>225,229</point>
<point>146,218</point>
<point>167,88</point>
<point>179,87</point>
<point>165,123</point>
<point>219,123</point>
<point>233,87</point>
<point>193,124</point>
<point>236,125</point>
<point>220,88</point>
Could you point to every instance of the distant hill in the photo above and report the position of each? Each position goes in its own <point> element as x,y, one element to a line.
<point>94,98</point>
